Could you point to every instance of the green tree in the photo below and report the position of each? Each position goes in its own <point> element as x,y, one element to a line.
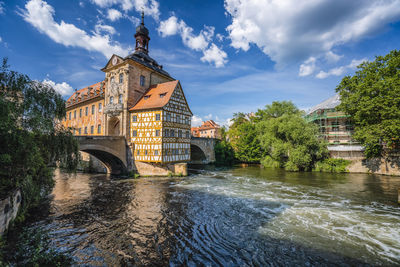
<point>31,138</point>
<point>224,153</point>
<point>243,138</point>
<point>372,99</point>
<point>276,110</point>
<point>287,139</point>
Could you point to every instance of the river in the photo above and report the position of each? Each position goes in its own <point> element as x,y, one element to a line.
<point>229,217</point>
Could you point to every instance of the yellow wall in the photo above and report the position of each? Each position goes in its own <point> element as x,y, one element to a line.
<point>89,120</point>
<point>146,140</point>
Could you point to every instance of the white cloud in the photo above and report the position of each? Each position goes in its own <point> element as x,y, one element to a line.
<point>308,67</point>
<point>196,121</point>
<point>63,88</point>
<point>340,70</point>
<point>113,14</point>
<point>149,7</point>
<point>1,39</point>
<point>332,57</point>
<point>216,55</point>
<point>2,9</point>
<point>40,15</point>
<point>81,4</point>
<point>169,27</point>
<point>220,37</point>
<point>292,31</point>
<point>201,42</point>
<point>99,28</point>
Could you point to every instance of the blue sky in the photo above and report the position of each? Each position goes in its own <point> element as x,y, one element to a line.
<point>230,55</point>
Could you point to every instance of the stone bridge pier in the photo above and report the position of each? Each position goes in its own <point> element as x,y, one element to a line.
<point>202,150</point>
<point>112,151</point>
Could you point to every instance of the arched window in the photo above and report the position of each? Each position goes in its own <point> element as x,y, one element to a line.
<point>111,99</point>
<point>120,99</point>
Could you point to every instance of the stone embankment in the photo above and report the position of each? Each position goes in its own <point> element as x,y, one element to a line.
<point>9,209</point>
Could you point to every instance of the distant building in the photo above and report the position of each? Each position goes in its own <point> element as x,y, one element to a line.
<point>209,129</point>
<point>336,128</point>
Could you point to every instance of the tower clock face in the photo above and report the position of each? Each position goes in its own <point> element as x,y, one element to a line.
<point>114,61</point>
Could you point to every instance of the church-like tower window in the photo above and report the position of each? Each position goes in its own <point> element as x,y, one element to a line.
<point>121,78</point>
<point>142,80</point>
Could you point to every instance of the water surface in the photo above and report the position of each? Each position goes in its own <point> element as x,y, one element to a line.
<point>235,217</point>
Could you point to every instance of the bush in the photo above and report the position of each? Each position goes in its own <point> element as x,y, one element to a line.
<point>332,165</point>
<point>269,162</point>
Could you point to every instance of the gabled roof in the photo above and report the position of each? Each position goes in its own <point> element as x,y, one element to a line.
<point>151,99</point>
<point>209,125</point>
<point>330,103</point>
<point>86,93</point>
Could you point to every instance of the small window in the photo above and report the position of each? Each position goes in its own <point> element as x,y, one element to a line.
<point>172,133</point>
<point>157,117</point>
<point>157,132</point>
<point>168,117</point>
<point>120,99</point>
<point>70,115</point>
<point>187,134</point>
<point>156,152</point>
<point>99,128</point>
<point>79,131</point>
<point>180,133</point>
<point>86,111</point>
<point>93,108</point>
<point>166,133</point>
<point>162,95</point>
<point>85,130</point>
<point>142,80</point>
<point>121,78</point>
<point>74,114</point>
<point>186,151</point>
<point>138,152</point>
<point>134,118</point>
<point>100,107</point>
<point>145,152</point>
<point>146,96</point>
<point>178,119</point>
<point>111,99</point>
<point>134,133</point>
<point>112,80</point>
<point>80,113</point>
<point>92,129</point>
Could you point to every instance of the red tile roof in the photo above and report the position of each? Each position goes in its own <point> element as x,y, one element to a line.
<point>84,94</point>
<point>151,99</point>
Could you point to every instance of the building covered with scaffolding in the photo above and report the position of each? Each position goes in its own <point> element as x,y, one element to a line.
<point>336,128</point>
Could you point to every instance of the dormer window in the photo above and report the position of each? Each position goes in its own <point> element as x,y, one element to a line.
<point>147,97</point>
<point>142,80</point>
<point>162,95</point>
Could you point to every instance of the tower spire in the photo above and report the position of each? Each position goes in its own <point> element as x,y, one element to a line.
<point>142,37</point>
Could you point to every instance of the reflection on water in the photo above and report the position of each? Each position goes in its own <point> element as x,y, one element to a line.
<point>241,216</point>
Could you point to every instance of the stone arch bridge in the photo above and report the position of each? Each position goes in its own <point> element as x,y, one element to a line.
<point>116,155</point>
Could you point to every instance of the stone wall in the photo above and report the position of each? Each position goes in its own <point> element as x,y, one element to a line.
<point>156,169</point>
<point>9,209</point>
<point>386,166</point>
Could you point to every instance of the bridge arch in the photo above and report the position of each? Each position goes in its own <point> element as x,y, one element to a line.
<point>111,151</point>
<point>202,150</point>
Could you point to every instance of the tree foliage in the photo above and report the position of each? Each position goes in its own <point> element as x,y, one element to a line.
<point>288,140</point>
<point>372,99</point>
<point>31,137</point>
<point>243,138</point>
<point>224,153</point>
